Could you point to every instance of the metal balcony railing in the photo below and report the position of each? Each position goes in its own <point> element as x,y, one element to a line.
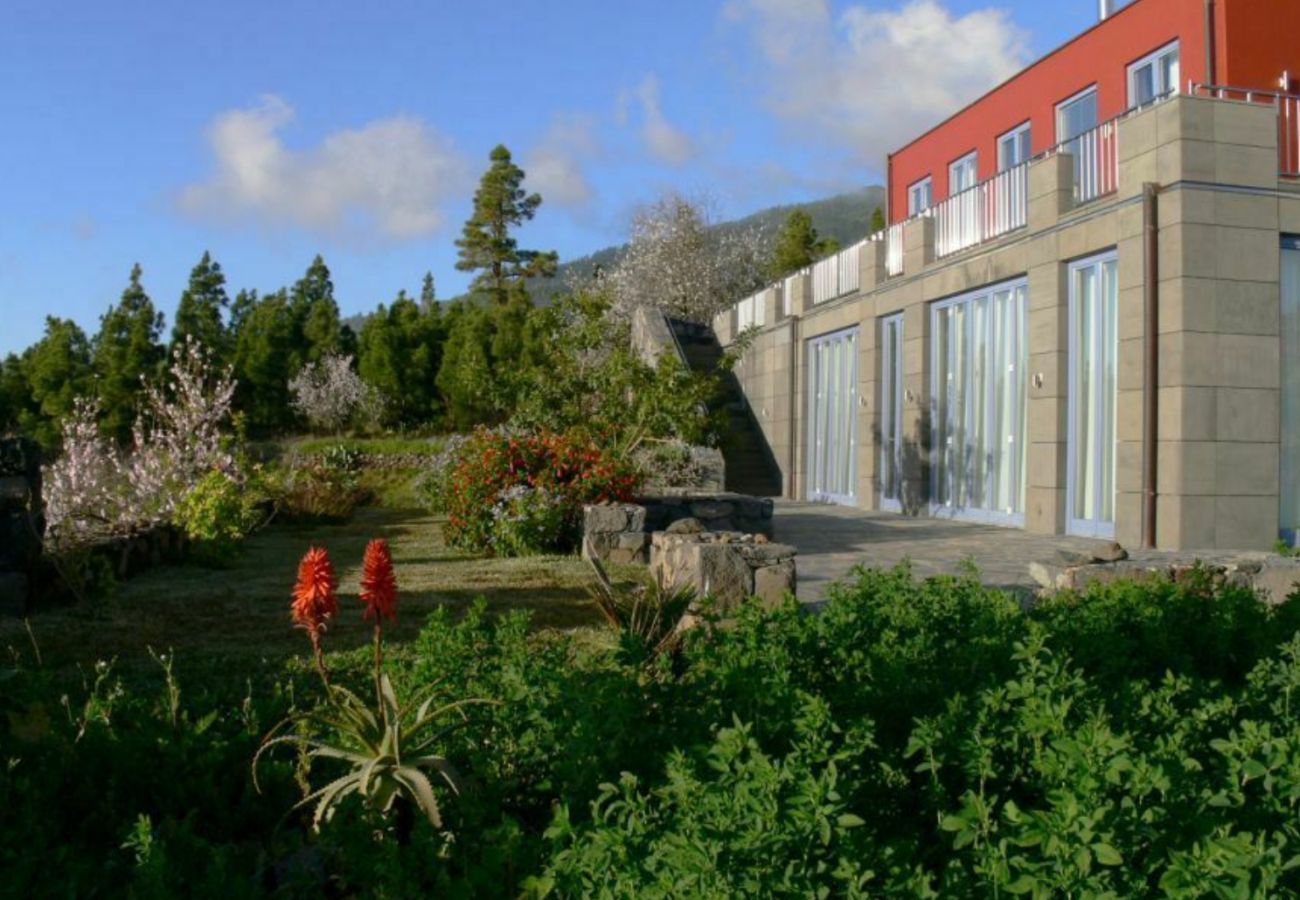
<point>1288,119</point>
<point>992,208</point>
<point>837,274</point>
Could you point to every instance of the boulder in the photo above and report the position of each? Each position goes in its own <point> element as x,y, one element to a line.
<point>772,583</point>
<point>685,526</point>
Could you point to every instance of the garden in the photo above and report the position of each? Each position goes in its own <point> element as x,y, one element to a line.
<point>368,661</point>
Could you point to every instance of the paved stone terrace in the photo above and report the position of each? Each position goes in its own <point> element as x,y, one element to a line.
<point>833,539</point>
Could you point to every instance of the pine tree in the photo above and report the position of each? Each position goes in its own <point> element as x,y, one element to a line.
<point>465,374</point>
<point>316,315</point>
<point>263,355</point>
<point>428,296</point>
<point>798,245</point>
<point>486,243</point>
<point>199,314</point>
<point>58,371</point>
<point>127,349</point>
<point>878,223</point>
<point>15,395</point>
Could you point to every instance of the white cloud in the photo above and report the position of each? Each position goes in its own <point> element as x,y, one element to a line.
<point>873,78</point>
<point>555,166</point>
<point>391,175</point>
<point>663,140</point>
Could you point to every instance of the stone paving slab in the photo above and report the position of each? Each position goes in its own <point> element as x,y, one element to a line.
<point>833,539</point>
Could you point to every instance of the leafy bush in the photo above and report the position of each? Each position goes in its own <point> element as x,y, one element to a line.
<point>914,739</point>
<point>320,488</point>
<point>217,513</point>
<point>513,494</point>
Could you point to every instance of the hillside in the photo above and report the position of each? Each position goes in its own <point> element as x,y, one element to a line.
<point>845,217</point>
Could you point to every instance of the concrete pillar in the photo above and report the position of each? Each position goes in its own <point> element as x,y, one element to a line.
<point>871,266</point>
<point>800,287</point>
<point>918,245</point>
<point>773,310</point>
<point>1051,190</point>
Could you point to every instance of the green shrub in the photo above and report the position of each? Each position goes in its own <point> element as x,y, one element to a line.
<point>320,489</point>
<point>218,513</point>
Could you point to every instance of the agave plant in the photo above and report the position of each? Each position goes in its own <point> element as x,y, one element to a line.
<point>387,745</point>
<point>646,616</point>
<point>387,748</point>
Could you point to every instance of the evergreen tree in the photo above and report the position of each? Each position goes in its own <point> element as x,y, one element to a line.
<point>428,296</point>
<point>316,316</point>
<point>127,349</point>
<point>203,303</point>
<point>15,395</point>
<point>58,371</point>
<point>487,245</point>
<point>465,374</point>
<point>400,351</point>
<point>263,355</point>
<point>798,245</point>
<point>878,222</point>
<point>243,304</point>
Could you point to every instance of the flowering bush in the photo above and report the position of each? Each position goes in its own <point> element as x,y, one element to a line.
<point>517,493</point>
<point>95,488</point>
<point>330,394</point>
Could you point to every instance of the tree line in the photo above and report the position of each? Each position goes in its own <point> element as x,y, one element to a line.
<point>430,361</point>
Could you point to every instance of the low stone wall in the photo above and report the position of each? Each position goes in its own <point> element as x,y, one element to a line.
<point>620,532</point>
<point>730,567</point>
<point>22,523</point>
<point>1274,577</point>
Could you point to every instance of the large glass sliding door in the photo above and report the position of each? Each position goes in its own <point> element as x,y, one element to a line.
<point>979,361</point>
<point>833,421</point>
<point>891,412</point>
<point>1090,487</point>
<point>1290,449</point>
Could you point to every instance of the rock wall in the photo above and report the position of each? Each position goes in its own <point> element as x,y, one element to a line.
<point>1272,576</point>
<point>730,567</point>
<point>22,523</point>
<point>620,532</point>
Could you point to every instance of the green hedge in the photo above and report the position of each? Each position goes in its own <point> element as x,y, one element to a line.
<point>917,739</point>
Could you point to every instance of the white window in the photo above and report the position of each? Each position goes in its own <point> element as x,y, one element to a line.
<point>963,174</point>
<point>920,196</point>
<point>1076,115</point>
<point>1153,76</point>
<point>1014,148</point>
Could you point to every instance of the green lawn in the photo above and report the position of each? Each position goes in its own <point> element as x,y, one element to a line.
<point>236,620</point>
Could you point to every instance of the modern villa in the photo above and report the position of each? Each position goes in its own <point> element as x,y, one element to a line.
<point>1084,315</point>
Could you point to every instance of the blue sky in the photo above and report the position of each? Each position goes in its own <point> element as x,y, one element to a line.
<point>266,132</point>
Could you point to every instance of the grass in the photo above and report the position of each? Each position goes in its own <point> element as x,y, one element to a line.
<point>235,621</point>
<point>377,446</point>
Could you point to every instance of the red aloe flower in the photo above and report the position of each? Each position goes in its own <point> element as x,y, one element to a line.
<point>378,584</point>
<point>314,597</point>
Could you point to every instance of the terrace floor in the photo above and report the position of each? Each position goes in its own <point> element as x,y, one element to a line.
<point>833,539</point>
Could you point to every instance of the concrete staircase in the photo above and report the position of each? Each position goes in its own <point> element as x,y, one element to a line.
<point>751,468</point>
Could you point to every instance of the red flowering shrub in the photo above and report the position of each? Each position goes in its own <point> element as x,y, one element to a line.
<point>496,487</point>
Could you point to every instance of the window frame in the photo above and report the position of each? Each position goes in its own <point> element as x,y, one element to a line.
<point>927,182</point>
<point>1151,59</point>
<point>1070,101</point>
<point>1025,128</point>
<point>973,158</point>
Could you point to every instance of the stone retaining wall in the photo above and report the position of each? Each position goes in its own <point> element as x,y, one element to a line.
<point>620,532</point>
<point>1272,576</point>
<point>22,523</point>
<point>730,567</point>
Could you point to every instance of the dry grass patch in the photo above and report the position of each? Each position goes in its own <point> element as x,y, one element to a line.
<point>236,620</point>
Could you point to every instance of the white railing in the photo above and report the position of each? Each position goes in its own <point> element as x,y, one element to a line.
<point>990,209</point>
<point>837,274</point>
<point>752,311</point>
<point>894,250</point>
<point>787,291</point>
<point>1288,119</point>
<point>1096,160</point>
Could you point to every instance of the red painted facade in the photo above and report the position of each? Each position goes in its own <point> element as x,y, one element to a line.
<point>1254,43</point>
